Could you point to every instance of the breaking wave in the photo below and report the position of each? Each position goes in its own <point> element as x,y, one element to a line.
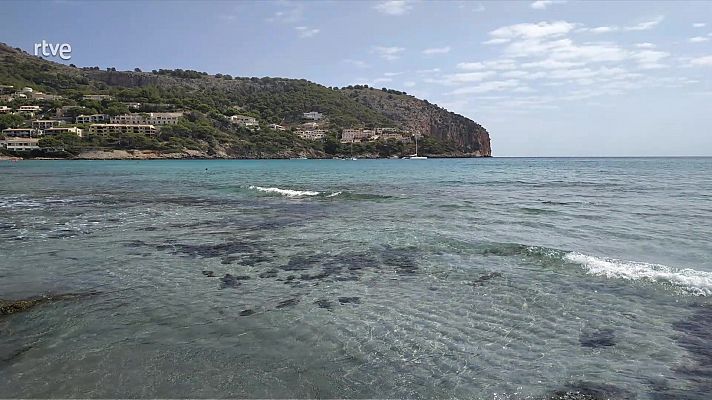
<point>690,280</point>
<point>291,192</point>
<point>685,280</point>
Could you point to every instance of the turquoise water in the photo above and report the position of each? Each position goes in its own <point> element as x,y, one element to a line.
<point>475,278</point>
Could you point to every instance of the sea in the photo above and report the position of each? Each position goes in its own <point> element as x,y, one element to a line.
<point>490,278</point>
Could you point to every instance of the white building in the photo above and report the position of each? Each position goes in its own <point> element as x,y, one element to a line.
<point>64,129</point>
<point>88,119</point>
<point>97,97</point>
<point>107,129</point>
<point>46,123</point>
<point>20,144</point>
<point>21,132</point>
<point>317,134</point>
<point>244,120</point>
<point>164,118</point>
<point>5,110</point>
<point>277,127</point>
<point>356,135</point>
<point>29,109</point>
<point>129,119</point>
<point>313,115</point>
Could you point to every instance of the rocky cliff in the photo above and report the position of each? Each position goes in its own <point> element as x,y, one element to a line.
<point>421,116</point>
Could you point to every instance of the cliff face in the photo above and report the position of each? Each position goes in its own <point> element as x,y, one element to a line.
<point>421,116</point>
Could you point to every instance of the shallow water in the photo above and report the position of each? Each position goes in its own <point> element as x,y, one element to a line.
<point>477,278</point>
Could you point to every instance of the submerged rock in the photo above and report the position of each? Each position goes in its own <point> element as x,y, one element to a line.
<point>288,303</point>
<point>230,281</point>
<point>307,277</point>
<point>591,391</point>
<point>8,307</point>
<point>598,338</point>
<point>248,312</point>
<point>209,274</point>
<point>350,300</point>
<point>272,273</point>
<point>324,303</point>
<point>484,278</point>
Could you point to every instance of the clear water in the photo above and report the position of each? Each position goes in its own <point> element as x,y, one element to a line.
<point>477,278</point>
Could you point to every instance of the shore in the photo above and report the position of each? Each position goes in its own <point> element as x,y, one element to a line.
<point>200,155</point>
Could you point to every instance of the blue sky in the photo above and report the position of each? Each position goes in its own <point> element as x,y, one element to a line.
<point>545,78</point>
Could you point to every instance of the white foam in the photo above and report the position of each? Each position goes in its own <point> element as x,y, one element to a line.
<point>689,280</point>
<point>333,194</point>
<point>285,192</point>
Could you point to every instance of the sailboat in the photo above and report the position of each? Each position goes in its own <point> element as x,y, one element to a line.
<point>415,156</point>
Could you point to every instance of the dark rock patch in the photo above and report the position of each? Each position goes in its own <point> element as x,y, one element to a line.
<point>247,312</point>
<point>8,307</point>
<point>307,277</point>
<point>148,229</point>
<point>229,281</point>
<point>591,391</point>
<point>695,336</point>
<point>598,338</point>
<point>209,274</point>
<point>288,303</point>
<point>401,258</point>
<point>302,262</point>
<point>135,243</point>
<point>272,273</point>
<point>324,303</point>
<point>350,300</point>
<point>484,278</point>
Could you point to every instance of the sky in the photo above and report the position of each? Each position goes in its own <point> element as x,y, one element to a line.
<point>545,78</point>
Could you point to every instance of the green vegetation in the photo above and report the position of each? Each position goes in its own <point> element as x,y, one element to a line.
<point>208,102</point>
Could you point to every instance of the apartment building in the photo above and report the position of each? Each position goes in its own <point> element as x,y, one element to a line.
<point>46,123</point>
<point>97,97</point>
<point>108,129</point>
<point>20,144</point>
<point>22,132</point>
<point>277,127</point>
<point>317,134</point>
<point>89,119</point>
<point>64,129</point>
<point>244,120</point>
<point>313,115</point>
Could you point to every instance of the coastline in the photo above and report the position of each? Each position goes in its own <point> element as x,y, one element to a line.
<point>112,155</point>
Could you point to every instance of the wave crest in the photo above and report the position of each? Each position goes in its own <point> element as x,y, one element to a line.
<point>689,280</point>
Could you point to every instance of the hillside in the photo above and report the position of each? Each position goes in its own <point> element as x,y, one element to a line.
<point>208,100</point>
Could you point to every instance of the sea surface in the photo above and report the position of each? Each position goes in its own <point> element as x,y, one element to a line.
<point>472,278</point>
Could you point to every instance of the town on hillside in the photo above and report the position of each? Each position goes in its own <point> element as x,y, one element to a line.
<point>29,119</point>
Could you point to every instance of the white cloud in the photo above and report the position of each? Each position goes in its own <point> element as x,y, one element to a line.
<point>496,41</point>
<point>466,77</point>
<point>489,86</point>
<point>382,80</point>
<point>697,39</point>
<point>357,63</point>
<point>436,50</point>
<point>645,25</point>
<point>428,71</point>
<point>306,32</point>
<point>551,64</point>
<point>408,83</point>
<point>499,64</point>
<point>530,31</point>
<point>649,59</point>
<point>291,13</point>
<point>392,73</point>
<point>603,29</point>
<point>543,4</point>
<point>393,7</point>
<point>699,25</point>
<point>389,53</point>
<point>645,45</point>
<point>705,61</point>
